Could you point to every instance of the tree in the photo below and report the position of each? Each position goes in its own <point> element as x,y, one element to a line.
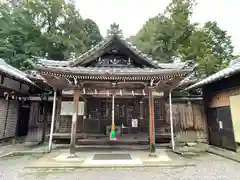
<point>18,38</point>
<point>93,32</point>
<point>172,35</point>
<point>220,42</point>
<point>163,34</point>
<point>61,25</point>
<point>210,47</point>
<point>50,28</point>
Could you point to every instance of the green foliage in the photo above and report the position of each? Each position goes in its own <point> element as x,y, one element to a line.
<point>172,34</point>
<point>93,32</point>
<point>210,47</point>
<point>50,28</point>
<point>162,35</point>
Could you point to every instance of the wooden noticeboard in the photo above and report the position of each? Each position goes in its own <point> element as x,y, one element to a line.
<point>134,123</point>
<point>67,108</point>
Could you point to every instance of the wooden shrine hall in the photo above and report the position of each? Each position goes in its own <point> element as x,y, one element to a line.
<point>111,86</point>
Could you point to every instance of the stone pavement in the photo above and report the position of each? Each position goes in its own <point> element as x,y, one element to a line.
<point>108,158</point>
<point>208,167</point>
<point>139,155</point>
<point>235,156</point>
<point>23,148</point>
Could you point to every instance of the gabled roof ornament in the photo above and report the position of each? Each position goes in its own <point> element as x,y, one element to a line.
<point>72,57</point>
<point>114,30</point>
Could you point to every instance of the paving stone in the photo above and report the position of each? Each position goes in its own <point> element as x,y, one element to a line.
<point>208,167</point>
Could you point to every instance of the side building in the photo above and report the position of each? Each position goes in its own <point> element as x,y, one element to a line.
<point>221,94</point>
<point>15,88</point>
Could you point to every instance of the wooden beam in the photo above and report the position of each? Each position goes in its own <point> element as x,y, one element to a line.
<point>74,123</point>
<point>116,92</point>
<point>151,123</point>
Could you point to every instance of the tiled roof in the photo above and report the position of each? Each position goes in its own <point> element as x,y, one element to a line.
<point>101,46</point>
<point>232,69</point>
<point>34,75</point>
<point>53,63</point>
<point>13,72</point>
<point>188,80</point>
<point>179,65</point>
<point>104,43</point>
<point>76,67</point>
<point>114,71</point>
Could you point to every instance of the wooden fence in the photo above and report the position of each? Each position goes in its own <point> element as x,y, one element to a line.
<point>189,121</point>
<point>188,117</point>
<point>36,123</point>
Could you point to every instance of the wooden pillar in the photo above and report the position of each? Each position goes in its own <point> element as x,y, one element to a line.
<point>84,116</point>
<point>151,123</point>
<point>52,122</point>
<point>74,123</point>
<point>45,120</point>
<point>58,113</point>
<point>171,120</point>
<point>141,109</point>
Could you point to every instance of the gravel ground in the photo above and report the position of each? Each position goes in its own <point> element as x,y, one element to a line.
<point>208,167</point>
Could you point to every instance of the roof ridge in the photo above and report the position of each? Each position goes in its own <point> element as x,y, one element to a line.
<point>101,43</point>
<point>51,62</point>
<point>107,40</point>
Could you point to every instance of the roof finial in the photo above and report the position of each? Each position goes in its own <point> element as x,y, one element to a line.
<point>72,56</point>
<point>114,30</point>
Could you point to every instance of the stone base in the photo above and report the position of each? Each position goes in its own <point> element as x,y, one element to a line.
<point>72,155</point>
<point>68,157</point>
<point>152,154</point>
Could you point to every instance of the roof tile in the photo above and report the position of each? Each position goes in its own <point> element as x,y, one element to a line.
<point>233,68</point>
<point>11,71</point>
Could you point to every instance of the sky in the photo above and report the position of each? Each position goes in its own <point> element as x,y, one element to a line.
<point>132,14</point>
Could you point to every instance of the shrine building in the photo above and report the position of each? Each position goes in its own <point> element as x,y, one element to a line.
<point>112,83</point>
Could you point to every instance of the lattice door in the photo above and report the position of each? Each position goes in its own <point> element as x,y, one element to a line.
<point>159,113</point>
<point>159,106</point>
<point>105,109</point>
<point>92,123</point>
<point>120,112</point>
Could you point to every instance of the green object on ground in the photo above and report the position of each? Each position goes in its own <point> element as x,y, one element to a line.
<point>112,135</point>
